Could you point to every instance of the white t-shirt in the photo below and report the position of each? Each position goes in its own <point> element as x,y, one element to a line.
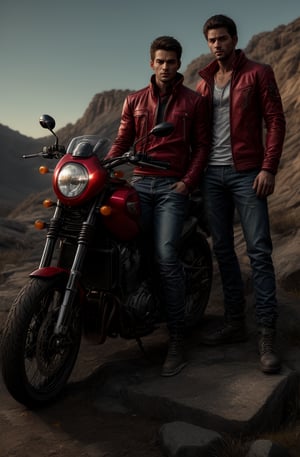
<point>221,153</point>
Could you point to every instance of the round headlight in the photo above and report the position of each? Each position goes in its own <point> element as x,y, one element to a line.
<point>72,179</point>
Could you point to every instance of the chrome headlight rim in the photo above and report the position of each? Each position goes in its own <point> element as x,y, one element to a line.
<point>72,180</point>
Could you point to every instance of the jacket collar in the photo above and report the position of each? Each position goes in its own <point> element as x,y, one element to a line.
<point>176,84</point>
<point>209,71</point>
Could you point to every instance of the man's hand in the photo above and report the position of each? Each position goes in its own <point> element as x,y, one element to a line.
<point>180,187</point>
<point>264,184</point>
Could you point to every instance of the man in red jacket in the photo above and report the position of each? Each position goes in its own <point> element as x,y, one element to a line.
<point>164,193</point>
<point>243,95</point>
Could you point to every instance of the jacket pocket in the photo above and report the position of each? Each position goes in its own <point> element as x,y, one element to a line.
<point>182,123</point>
<point>141,117</point>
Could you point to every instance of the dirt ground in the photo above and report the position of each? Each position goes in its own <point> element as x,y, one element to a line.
<point>76,426</point>
<point>86,423</point>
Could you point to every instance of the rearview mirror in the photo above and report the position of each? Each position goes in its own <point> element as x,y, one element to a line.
<point>47,122</point>
<point>162,129</point>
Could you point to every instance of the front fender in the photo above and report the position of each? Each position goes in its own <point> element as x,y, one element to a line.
<point>49,272</point>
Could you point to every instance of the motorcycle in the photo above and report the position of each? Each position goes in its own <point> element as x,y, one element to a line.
<point>91,280</point>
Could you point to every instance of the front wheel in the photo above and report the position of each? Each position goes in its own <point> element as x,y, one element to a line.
<point>35,364</point>
<point>195,254</point>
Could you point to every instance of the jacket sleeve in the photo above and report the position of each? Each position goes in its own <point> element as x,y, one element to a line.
<point>200,140</point>
<point>274,119</point>
<point>126,132</point>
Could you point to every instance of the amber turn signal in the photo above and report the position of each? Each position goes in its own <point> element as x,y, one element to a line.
<point>39,225</point>
<point>105,210</point>
<point>48,203</point>
<point>43,170</point>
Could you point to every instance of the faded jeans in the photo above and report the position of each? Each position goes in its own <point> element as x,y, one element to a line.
<point>163,214</point>
<point>224,190</point>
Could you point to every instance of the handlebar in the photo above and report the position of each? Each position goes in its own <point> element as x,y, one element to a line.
<point>140,159</point>
<point>56,152</point>
<point>135,159</point>
<point>48,152</point>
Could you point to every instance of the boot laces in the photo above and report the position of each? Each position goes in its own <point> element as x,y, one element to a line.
<point>266,344</point>
<point>175,344</point>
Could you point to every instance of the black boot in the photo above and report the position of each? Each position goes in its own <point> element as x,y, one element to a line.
<point>269,361</point>
<point>175,360</point>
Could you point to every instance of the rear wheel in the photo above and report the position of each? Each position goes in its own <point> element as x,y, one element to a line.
<point>36,364</point>
<point>195,254</point>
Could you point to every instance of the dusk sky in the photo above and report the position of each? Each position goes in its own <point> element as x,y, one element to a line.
<point>56,55</point>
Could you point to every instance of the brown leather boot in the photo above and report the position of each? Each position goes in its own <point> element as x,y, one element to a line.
<point>175,360</point>
<point>269,360</point>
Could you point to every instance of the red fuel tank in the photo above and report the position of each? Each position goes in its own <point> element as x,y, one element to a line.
<point>123,222</point>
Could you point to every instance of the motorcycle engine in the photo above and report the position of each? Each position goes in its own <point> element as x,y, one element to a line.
<point>142,310</point>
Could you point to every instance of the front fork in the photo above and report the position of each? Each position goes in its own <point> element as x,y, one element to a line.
<point>85,236</point>
<point>52,236</point>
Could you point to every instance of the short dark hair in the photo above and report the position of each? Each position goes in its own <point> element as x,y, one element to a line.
<point>167,43</point>
<point>218,21</point>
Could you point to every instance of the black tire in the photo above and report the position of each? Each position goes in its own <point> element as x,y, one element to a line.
<point>195,254</point>
<point>34,368</point>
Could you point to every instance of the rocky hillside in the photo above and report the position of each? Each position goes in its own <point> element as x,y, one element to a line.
<point>101,117</point>
<point>18,177</point>
<point>279,48</point>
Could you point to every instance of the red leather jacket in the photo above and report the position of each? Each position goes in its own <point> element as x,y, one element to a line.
<point>254,97</point>
<point>186,149</point>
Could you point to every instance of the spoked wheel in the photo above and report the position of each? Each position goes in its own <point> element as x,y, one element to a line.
<point>196,257</point>
<point>36,364</point>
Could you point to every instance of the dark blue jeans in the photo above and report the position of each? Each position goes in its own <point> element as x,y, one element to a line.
<point>226,189</point>
<point>163,214</point>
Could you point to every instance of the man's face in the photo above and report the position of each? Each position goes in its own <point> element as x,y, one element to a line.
<point>165,65</point>
<point>221,44</point>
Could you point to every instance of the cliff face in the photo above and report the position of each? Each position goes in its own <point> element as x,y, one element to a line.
<point>280,49</point>
<point>101,117</point>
